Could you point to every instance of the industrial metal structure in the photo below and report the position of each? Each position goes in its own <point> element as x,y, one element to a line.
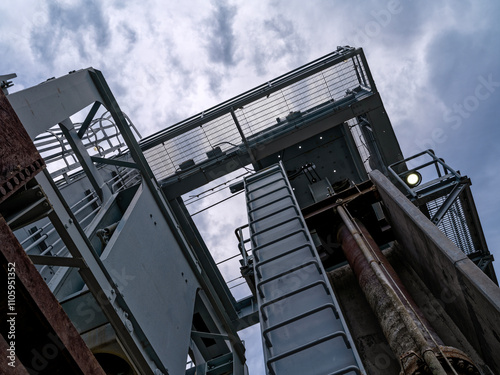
<point>351,266</point>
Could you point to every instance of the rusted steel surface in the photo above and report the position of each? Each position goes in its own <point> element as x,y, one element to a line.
<point>19,159</point>
<point>392,325</point>
<point>46,342</point>
<point>398,333</point>
<point>474,304</point>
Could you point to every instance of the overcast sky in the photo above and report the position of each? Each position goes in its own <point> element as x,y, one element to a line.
<point>436,64</point>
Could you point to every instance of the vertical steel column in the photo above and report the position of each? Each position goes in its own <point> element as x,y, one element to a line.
<point>404,326</point>
<point>83,157</point>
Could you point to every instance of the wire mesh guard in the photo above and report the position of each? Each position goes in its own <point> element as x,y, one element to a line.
<point>101,138</point>
<point>454,224</point>
<point>326,86</point>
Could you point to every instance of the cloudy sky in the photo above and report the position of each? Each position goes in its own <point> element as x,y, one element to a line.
<point>436,64</point>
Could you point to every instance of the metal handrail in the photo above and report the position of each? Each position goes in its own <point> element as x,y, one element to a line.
<point>238,232</point>
<point>435,161</point>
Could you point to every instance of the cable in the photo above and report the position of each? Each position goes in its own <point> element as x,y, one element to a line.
<point>234,286</point>
<point>198,197</point>
<point>215,204</point>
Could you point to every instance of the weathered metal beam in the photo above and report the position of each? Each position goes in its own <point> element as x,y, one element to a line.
<point>19,159</point>
<point>45,341</point>
<point>406,330</point>
<point>473,299</point>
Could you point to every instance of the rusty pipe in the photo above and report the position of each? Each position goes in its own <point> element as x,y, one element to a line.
<point>398,324</point>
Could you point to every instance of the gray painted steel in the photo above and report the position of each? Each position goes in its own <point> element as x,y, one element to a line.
<point>302,326</point>
<point>467,294</point>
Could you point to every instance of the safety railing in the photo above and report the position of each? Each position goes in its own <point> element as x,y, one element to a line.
<point>325,83</point>
<point>444,196</point>
<point>433,181</point>
<point>101,138</point>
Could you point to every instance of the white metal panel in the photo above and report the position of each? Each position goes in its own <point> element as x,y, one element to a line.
<point>156,279</point>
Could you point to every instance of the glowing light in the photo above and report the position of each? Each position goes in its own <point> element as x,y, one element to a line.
<point>413,178</point>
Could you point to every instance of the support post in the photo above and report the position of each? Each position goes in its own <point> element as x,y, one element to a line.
<point>392,306</point>
<point>85,160</point>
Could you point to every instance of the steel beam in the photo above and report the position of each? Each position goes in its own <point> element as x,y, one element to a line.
<point>85,160</point>
<point>404,326</point>
<point>88,120</point>
<point>450,200</point>
<point>99,281</point>
<point>471,298</point>
<point>115,162</point>
<point>205,172</point>
<point>47,104</point>
<point>58,261</point>
<point>45,340</point>
<point>19,159</point>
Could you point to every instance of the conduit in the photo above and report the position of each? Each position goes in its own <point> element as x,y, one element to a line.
<point>404,331</point>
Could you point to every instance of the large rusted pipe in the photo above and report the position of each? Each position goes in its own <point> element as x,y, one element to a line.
<point>386,295</point>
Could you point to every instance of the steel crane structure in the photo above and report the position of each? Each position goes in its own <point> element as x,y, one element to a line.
<point>351,266</point>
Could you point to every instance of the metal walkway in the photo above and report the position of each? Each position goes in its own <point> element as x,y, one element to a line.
<point>302,327</point>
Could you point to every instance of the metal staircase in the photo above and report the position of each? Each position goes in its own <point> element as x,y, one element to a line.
<point>302,327</point>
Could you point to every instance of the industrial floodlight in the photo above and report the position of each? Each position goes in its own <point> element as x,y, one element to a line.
<point>413,179</point>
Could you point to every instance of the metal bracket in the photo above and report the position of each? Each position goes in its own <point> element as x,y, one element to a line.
<point>118,163</point>
<point>450,200</point>
<point>58,261</point>
<point>208,335</point>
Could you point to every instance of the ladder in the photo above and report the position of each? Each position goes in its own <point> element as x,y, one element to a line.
<point>303,330</point>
